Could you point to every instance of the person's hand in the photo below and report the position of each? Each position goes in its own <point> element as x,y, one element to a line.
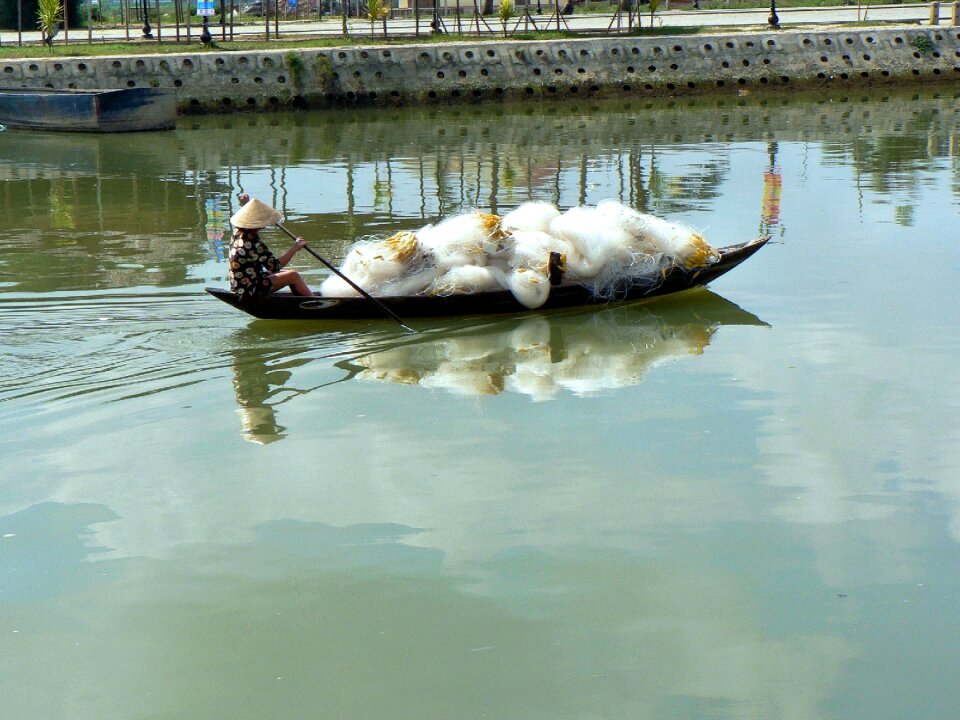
<point>243,198</point>
<point>300,243</point>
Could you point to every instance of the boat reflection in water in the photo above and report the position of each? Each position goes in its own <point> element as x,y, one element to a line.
<point>582,351</point>
<point>541,356</point>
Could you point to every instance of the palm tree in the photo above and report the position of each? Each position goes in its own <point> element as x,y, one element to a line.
<point>48,18</point>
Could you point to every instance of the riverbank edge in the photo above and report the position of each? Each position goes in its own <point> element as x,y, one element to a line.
<point>474,71</point>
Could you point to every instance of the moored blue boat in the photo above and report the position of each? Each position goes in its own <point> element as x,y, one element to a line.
<point>122,110</point>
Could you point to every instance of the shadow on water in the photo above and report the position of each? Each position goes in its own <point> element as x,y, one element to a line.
<point>583,352</point>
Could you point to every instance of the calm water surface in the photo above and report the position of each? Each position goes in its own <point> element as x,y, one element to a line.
<point>738,503</point>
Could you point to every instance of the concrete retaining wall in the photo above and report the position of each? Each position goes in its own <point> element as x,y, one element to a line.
<point>212,81</point>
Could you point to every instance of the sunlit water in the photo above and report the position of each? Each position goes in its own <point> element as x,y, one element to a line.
<point>742,502</point>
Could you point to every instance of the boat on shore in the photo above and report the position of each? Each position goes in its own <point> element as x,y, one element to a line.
<point>285,306</point>
<point>121,110</point>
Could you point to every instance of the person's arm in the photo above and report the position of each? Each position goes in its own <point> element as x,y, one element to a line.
<point>288,255</point>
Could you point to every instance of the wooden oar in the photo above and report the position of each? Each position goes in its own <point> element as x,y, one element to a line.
<point>351,283</point>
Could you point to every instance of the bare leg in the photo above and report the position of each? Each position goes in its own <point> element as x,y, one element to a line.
<point>291,279</point>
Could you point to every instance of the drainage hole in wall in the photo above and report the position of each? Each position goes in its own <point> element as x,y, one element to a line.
<point>251,102</point>
<point>766,61</point>
<point>394,93</point>
<point>343,55</point>
<point>614,52</point>
<point>846,58</point>
<point>828,41</point>
<point>581,71</point>
<point>131,83</point>
<point>720,83</point>
<point>528,91</point>
<point>935,54</point>
<point>235,81</point>
<point>537,71</point>
<point>484,72</point>
<point>725,64</point>
<point>439,75</point>
<point>807,41</point>
<point>630,69</point>
<point>583,53</point>
<point>898,40</point>
<point>552,89</point>
<point>627,88</point>
<point>729,45</point>
<point>674,66</point>
<point>194,102</point>
<point>844,76</point>
<point>708,47</point>
<point>364,54</point>
<point>635,50</point>
<point>558,71</point>
<point>741,81</point>
<point>378,75</point>
<point>227,101</point>
<point>275,101</point>
<point>57,66</point>
<point>671,86</point>
<point>219,61</point>
<point>652,68</point>
<point>8,69</point>
<point>916,55</point>
<point>848,41</point>
<point>462,73</point>
<point>432,94</point>
<point>242,61</point>
<point>746,63</point>
<point>824,58</point>
<point>491,53</point>
<point>116,64</point>
<point>749,43</point>
<point>469,53</point>
<point>178,83</point>
<point>867,58</point>
<point>83,66</point>
<point>864,74</point>
<point>784,79</point>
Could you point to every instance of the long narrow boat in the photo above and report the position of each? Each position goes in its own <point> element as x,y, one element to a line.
<point>285,306</point>
<point>122,110</point>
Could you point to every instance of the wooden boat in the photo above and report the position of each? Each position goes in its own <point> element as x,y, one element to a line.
<point>123,110</point>
<point>285,306</point>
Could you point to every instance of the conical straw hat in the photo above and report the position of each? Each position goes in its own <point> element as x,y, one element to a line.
<point>255,215</point>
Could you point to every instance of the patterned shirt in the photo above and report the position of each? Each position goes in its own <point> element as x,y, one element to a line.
<point>251,264</point>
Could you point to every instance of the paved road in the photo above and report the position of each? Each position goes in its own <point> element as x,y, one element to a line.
<point>664,18</point>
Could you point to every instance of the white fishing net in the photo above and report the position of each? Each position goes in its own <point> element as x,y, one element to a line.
<point>608,248</point>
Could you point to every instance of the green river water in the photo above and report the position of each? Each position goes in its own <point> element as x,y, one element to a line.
<point>738,503</point>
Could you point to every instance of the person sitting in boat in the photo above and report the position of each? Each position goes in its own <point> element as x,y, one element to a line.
<point>254,270</point>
